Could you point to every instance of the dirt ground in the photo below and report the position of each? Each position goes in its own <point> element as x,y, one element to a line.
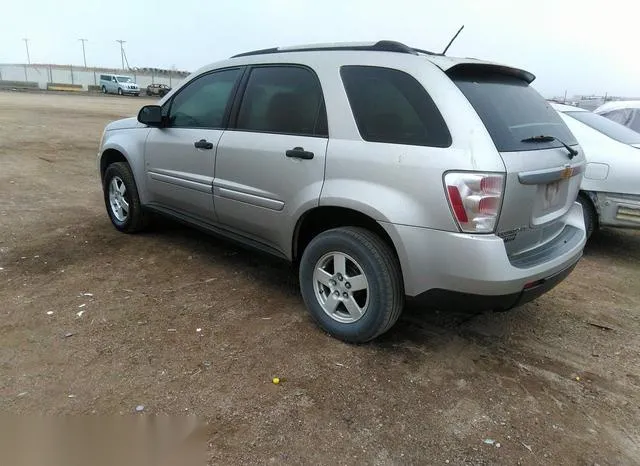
<point>185,323</point>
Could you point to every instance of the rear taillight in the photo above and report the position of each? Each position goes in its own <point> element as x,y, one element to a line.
<point>475,199</point>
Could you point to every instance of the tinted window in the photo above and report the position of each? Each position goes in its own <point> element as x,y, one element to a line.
<point>203,102</point>
<point>511,111</point>
<point>391,106</point>
<point>283,99</point>
<point>605,126</point>
<point>104,77</point>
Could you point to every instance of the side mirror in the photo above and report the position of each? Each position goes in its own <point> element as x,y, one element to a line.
<point>151,115</point>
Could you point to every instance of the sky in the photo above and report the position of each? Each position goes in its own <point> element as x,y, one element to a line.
<point>582,47</point>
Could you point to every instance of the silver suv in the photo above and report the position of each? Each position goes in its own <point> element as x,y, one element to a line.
<point>114,84</point>
<point>385,172</point>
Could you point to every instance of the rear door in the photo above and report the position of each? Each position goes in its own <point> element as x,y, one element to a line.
<point>543,179</point>
<point>272,162</point>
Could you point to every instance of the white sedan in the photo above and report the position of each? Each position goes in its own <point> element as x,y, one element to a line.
<point>610,190</point>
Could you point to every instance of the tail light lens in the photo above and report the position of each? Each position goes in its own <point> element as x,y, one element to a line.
<point>475,200</point>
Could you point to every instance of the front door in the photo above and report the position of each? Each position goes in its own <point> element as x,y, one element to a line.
<point>270,163</point>
<point>180,158</point>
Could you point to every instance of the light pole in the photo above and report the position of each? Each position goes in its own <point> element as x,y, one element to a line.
<point>121,51</point>
<point>26,44</point>
<point>84,56</point>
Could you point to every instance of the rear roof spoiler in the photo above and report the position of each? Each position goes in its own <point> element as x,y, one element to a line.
<point>462,70</point>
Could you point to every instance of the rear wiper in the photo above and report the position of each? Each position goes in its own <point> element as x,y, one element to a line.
<point>543,138</point>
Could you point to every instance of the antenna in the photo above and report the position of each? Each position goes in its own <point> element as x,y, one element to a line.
<point>451,41</point>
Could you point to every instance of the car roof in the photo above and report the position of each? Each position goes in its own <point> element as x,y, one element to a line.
<point>566,108</point>
<point>393,48</point>
<point>617,105</point>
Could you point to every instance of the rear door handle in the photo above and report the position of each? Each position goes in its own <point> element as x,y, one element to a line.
<point>299,153</point>
<point>203,144</point>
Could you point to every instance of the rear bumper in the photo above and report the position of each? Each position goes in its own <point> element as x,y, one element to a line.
<point>445,299</point>
<point>434,261</point>
<point>619,210</point>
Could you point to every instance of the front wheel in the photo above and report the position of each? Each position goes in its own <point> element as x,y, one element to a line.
<point>351,283</point>
<point>119,91</point>
<point>122,200</point>
<point>590,215</point>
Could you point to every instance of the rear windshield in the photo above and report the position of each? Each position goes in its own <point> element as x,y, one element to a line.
<point>607,127</point>
<point>512,111</point>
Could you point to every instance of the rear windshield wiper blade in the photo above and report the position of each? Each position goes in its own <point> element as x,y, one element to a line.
<point>543,138</point>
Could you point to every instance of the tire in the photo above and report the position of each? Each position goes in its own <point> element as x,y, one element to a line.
<point>119,91</point>
<point>104,90</point>
<point>135,220</point>
<point>148,93</point>
<point>590,215</point>
<point>137,95</point>
<point>366,255</point>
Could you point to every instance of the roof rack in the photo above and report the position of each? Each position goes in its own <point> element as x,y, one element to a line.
<point>380,46</point>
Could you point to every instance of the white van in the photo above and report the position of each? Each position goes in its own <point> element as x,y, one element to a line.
<point>115,84</point>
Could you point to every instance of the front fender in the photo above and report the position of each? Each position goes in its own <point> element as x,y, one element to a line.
<point>130,143</point>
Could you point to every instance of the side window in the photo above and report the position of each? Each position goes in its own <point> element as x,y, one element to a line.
<point>391,106</point>
<point>283,99</point>
<point>203,102</point>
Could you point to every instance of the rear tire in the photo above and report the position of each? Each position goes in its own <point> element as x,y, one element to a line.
<point>122,200</point>
<point>104,90</point>
<point>351,283</point>
<point>590,215</point>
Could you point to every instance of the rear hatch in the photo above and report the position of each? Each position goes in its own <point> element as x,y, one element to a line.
<point>542,177</point>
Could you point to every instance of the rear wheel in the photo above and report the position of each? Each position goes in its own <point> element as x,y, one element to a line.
<point>351,283</point>
<point>104,90</point>
<point>122,200</point>
<point>589,212</point>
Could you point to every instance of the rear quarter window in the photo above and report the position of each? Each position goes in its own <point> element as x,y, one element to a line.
<point>511,110</point>
<point>390,106</point>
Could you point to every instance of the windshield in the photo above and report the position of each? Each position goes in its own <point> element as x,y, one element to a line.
<point>511,111</point>
<point>124,79</point>
<point>607,127</point>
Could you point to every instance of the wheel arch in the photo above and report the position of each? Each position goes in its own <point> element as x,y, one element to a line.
<point>322,218</point>
<point>110,156</point>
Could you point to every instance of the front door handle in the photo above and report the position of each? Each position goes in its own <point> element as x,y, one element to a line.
<point>203,144</point>
<point>299,153</point>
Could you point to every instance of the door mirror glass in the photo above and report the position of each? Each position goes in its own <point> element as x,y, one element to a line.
<point>151,115</point>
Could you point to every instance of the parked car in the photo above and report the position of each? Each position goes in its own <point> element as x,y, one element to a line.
<point>382,171</point>
<point>158,89</point>
<point>114,84</point>
<point>626,113</point>
<point>610,190</point>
